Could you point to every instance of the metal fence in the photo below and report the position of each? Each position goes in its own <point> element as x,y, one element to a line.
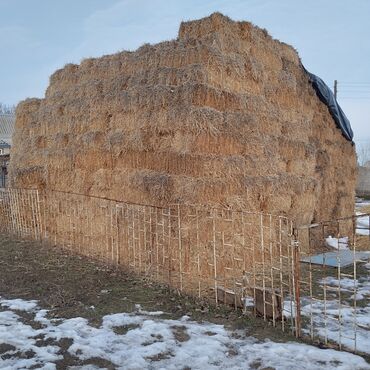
<point>253,261</point>
<point>334,282</point>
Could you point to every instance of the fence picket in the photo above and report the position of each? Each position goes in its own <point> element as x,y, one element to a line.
<point>239,258</point>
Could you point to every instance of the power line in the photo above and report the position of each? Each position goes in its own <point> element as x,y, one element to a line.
<point>355,88</point>
<point>345,88</point>
<point>352,90</point>
<point>354,94</point>
<point>355,83</point>
<point>354,97</point>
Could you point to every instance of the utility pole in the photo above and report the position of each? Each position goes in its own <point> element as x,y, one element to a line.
<point>335,88</point>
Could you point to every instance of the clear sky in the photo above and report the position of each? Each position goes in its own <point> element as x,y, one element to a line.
<point>39,36</point>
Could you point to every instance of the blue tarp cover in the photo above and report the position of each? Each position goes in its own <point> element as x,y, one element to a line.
<point>327,97</point>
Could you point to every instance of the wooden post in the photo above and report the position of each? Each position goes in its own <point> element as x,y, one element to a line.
<point>297,273</point>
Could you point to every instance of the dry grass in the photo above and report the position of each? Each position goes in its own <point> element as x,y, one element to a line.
<point>364,209</point>
<point>30,270</point>
<point>362,243</point>
<point>222,115</point>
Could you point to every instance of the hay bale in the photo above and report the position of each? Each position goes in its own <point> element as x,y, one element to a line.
<point>223,115</point>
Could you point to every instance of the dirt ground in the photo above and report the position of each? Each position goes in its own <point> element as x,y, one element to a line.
<point>74,286</point>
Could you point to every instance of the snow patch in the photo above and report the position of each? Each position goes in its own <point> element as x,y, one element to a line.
<point>150,343</point>
<point>248,302</point>
<point>353,328</point>
<point>18,304</point>
<point>22,337</point>
<point>345,284</point>
<point>363,225</point>
<point>340,244</point>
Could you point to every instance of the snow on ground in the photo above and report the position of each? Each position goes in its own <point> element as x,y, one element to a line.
<point>361,203</point>
<point>363,223</point>
<point>340,332</point>
<point>151,342</point>
<point>353,331</point>
<point>345,284</point>
<point>340,244</point>
<point>18,304</point>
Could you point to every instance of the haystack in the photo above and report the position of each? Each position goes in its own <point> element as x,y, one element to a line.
<point>223,115</point>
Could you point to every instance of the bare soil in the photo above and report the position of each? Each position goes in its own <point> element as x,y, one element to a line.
<point>74,286</point>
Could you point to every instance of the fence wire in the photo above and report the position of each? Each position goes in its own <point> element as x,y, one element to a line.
<point>334,282</point>
<point>249,260</point>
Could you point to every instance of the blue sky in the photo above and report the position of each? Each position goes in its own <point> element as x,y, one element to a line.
<point>39,36</point>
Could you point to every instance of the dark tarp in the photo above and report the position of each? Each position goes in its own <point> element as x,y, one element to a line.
<point>327,97</point>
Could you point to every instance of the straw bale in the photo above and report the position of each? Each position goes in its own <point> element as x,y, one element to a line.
<point>223,115</point>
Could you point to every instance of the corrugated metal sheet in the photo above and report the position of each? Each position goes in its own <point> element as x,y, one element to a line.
<point>4,144</point>
<point>7,122</point>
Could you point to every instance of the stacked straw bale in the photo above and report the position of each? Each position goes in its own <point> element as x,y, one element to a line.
<point>223,115</point>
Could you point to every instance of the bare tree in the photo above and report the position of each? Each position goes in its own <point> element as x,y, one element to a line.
<point>363,153</point>
<point>7,109</point>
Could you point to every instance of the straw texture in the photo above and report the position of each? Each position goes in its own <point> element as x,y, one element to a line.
<point>223,115</point>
